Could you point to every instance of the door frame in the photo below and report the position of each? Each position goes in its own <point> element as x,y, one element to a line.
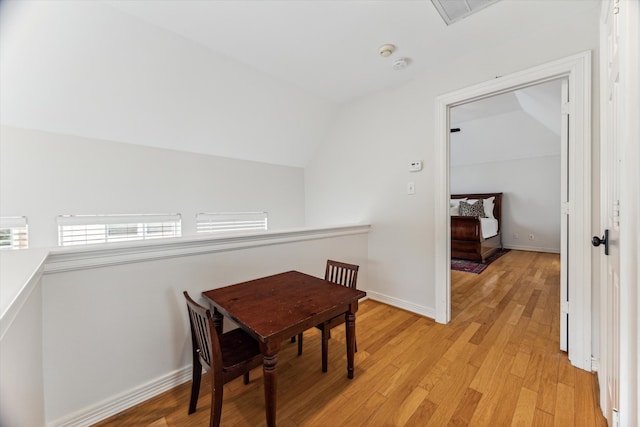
<point>577,69</point>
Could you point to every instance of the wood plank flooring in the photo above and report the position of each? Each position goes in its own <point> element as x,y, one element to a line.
<point>496,364</point>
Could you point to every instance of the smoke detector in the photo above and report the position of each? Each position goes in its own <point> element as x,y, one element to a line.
<point>400,63</point>
<point>386,50</point>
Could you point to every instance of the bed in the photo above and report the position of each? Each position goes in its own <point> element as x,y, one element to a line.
<point>475,225</point>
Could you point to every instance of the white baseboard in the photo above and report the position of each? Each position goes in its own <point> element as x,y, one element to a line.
<point>126,400</point>
<point>532,248</point>
<point>405,305</point>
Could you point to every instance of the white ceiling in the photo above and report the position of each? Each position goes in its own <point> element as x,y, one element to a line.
<point>541,102</point>
<point>140,72</point>
<point>330,48</point>
<point>521,124</point>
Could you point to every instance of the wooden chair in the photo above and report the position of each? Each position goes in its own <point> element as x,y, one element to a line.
<point>343,274</point>
<point>225,356</point>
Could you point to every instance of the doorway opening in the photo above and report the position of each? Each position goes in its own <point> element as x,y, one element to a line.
<point>577,71</point>
<point>511,143</point>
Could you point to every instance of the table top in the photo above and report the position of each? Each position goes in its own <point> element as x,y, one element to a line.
<point>282,305</point>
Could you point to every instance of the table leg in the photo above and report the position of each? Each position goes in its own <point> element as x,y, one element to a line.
<point>270,374</point>
<point>350,321</point>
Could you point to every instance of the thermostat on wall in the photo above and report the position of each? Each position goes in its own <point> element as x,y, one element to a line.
<point>415,166</point>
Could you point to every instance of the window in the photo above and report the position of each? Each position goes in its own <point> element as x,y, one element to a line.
<point>88,229</point>
<point>230,221</point>
<point>14,233</point>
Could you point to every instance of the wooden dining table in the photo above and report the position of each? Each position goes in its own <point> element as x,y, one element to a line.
<point>275,308</point>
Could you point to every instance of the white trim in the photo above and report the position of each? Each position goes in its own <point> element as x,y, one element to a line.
<point>94,256</point>
<point>577,69</point>
<point>564,216</point>
<point>532,249</point>
<point>18,292</point>
<point>126,400</point>
<point>399,303</point>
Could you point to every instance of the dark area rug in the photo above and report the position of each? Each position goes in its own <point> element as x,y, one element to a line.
<point>475,267</point>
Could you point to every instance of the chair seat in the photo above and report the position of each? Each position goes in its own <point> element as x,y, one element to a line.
<point>223,356</point>
<point>239,351</point>
<point>333,322</point>
<point>343,274</point>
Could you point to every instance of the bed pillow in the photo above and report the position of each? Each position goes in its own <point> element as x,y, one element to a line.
<point>488,206</point>
<point>454,206</point>
<point>475,209</point>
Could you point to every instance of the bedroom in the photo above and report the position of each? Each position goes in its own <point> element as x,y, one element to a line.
<point>510,143</point>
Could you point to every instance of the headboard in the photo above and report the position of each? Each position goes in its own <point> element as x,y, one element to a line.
<point>497,203</point>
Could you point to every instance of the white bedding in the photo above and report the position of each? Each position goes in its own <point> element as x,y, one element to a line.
<point>489,227</point>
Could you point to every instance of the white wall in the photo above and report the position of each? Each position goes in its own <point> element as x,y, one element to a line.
<point>21,337</point>
<point>114,334</point>
<point>43,175</point>
<point>514,154</point>
<point>22,387</point>
<point>373,139</point>
<point>530,203</point>
<point>85,68</point>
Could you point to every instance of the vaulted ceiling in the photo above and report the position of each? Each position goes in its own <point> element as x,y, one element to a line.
<point>200,76</point>
<point>330,48</point>
<point>540,102</point>
<point>521,124</point>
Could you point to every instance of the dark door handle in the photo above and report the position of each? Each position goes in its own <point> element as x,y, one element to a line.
<point>597,241</point>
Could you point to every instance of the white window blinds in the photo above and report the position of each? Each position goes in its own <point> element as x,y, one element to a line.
<point>230,221</point>
<point>14,233</point>
<point>88,229</point>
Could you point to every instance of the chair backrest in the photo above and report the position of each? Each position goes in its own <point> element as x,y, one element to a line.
<point>204,337</point>
<point>341,273</point>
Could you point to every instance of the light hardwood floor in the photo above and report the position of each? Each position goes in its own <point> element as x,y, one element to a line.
<point>496,364</point>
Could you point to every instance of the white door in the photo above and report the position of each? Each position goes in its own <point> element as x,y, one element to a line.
<point>610,209</point>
